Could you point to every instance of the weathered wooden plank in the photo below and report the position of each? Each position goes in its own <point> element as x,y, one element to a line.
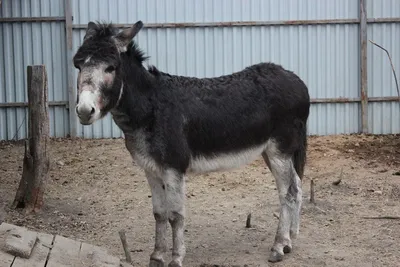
<point>91,255</point>
<point>39,253</point>
<point>6,259</point>
<point>17,241</point>
<point>65,253</point>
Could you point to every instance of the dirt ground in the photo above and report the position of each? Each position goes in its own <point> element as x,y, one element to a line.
<point>94,190</point>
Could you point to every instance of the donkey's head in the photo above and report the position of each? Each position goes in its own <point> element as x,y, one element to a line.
<point>98,60</point>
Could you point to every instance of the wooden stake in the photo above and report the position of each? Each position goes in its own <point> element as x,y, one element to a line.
<point>337,182</point>
<point>36,163</point>
<point>312,199</point>
<point>125,246</point>
<point>248,221</point>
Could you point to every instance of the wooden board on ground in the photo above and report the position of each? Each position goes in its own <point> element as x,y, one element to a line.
<point>91,255</point>
<point>6,259</point>
<point>40,250</point>
<point>65,253</point>
<point>39,253</point>
<point>17,241</point>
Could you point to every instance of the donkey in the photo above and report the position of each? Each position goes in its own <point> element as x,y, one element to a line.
<point>176,125</point>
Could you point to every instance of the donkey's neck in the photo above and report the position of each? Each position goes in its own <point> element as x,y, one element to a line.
<point>134,109</point>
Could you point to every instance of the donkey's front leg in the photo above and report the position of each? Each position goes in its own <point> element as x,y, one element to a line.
<point>175,194</point>
<point>160,215</point>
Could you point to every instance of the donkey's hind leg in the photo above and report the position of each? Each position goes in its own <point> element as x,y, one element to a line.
<point>289,189</point>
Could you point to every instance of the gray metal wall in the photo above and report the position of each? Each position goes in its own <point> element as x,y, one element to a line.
<point>384,117</point>
<point>31,43</point>
<point>326,54</point>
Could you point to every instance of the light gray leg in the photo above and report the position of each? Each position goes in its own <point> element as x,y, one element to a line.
<point>295,226</point>
<point>161,217</point>
<point>175,194</point>
<point>289,190</point>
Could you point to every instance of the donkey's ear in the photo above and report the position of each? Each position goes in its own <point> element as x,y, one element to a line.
<point>91,30</point>
<point>124,38</point>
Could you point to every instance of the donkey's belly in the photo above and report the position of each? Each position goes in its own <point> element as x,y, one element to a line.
<point>225,161</point>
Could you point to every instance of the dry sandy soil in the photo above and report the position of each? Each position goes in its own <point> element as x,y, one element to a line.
<point>94,190</point>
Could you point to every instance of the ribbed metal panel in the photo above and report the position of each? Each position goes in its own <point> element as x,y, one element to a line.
<point>153,11</point>
<point>32,8</point>
<point>28,43</point>
<point>383,8</point>
<point>325,56</point>
<point>384,117</point>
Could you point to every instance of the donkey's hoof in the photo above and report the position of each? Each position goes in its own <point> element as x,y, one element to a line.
<point>275,256</point>
<point>156,263</point>
<point>287,249</point>
<point>175,263</point>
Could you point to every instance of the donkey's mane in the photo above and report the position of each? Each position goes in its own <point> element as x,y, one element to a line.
<point>104,30</point>
<point>135,52</point>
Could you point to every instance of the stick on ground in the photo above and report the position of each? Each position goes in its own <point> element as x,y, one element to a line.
<point>382,217</point>
<point>312,199</point>
<point>248,221</point>
<point>391,64</point>
<point>125,246</point>
<point>337,182</point>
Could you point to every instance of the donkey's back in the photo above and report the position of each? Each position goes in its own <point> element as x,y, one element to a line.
<point>228,120</point>
<point>269,80</point>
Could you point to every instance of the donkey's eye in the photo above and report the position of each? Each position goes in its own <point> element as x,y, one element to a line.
<point>110,69</point>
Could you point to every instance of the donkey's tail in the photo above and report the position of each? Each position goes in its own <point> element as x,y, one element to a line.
<point>300,155</point>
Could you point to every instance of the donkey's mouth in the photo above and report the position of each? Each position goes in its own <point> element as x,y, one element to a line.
<point>86,123</point>
<point>84,120</point>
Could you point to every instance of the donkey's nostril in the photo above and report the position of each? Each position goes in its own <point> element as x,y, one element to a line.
<point>92,111</point>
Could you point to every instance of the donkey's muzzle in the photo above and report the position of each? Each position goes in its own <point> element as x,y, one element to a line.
<point>85,113</point>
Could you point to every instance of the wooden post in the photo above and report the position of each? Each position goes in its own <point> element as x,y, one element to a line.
<point>36,162</point>
<point>364,70</point>
<point>70,69</point>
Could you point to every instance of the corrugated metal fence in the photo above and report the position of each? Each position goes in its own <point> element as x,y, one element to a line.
<point>321,40</point>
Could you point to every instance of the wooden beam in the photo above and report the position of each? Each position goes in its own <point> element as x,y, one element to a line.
<point>32,19</point>
<point>249,23</point>
<point>364,70</point>
<point>25,104</point>
<point>313,100</point>
<point>73,128</point>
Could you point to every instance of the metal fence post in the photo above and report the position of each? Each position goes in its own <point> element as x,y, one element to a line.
<point>364,70</point>
<point>71,88</point>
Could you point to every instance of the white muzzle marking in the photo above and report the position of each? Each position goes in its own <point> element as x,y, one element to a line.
<point>88,109</point>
